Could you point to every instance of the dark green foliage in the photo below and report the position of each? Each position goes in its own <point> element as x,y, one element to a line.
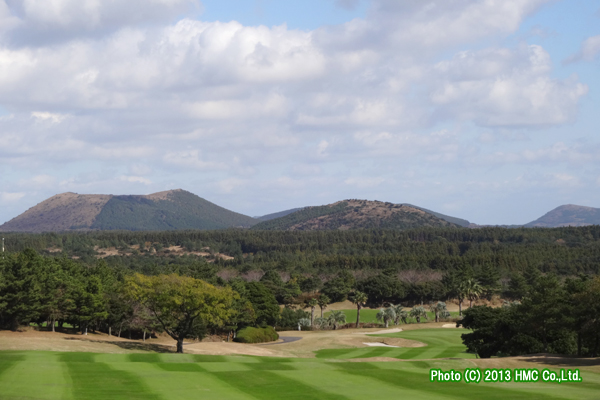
<point>289,318</point>
<point>527,251</point>
<point>310,284</point>
<point>263,302</point>
<point>383,288</point>
<point>22,293</point>
<point>256,335</point>
<point>517,287</point>
<point>338,288</point>
<point>550,319</point>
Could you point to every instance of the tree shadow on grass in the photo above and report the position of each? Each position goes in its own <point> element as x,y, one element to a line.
<point>563,361</point>
<point>156,348</point>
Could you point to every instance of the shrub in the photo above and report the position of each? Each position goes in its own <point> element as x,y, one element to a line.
<point>256,335</point>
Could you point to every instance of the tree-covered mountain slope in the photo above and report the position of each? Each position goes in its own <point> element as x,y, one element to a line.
<point>355,214</point>
<point>169,210</point>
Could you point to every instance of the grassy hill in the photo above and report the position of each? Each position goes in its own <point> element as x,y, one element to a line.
<point>568,215</point>
<point>354,214</point>
<point>170,210</point>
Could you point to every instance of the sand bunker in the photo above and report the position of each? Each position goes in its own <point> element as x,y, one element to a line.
<point>449,326</point>
<point>394,330</point>
<point>378,344</point>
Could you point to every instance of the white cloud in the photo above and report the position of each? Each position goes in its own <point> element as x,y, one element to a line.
<point>47,21</point>
<point>8,197</point>
<point>590,48</point>
<point>156,98</point>
<point>502,87</point>
<point>39,182</point>
<point>135,179</point>
<point>47,116</point>
<point>364,182</point>
<point>192,159</point>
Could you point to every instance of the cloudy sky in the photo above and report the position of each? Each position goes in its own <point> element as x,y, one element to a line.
<point>487,110</point>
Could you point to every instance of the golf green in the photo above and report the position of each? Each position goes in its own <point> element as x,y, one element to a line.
<point>440,343</point>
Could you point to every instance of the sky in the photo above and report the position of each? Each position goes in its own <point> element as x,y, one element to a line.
<point>487,110</point>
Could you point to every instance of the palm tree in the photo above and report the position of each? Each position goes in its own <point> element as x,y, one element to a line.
<point>400,313</point>
<point>304,322</point>
<point>440,310</point>
<point>336,317</point>
<point>312,303</point>
<point>471,290</point>
<point>418,312</point>
<point>386,315</point>
<point>359,299</point>
<point>321,323</point>
<point>323,301</point>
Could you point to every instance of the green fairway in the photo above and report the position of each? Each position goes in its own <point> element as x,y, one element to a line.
<point>441,343</point>
<point>50,375</point>
<point>369,316</point>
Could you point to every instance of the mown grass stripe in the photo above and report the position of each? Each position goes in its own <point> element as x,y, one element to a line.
<point>269,385</point>
<point>454,351</point>
<point>180,367</point>
<point>9,360</point>
<point>459,390</point>
<point>35,375</point>
<point>208,358</point>
<point>78,357</point>
<point>93,380</point>
<point>143,357</point>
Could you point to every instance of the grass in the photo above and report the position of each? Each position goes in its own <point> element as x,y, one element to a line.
<point>369,316</point>
<point>441,343</point>
<point>153,376</point>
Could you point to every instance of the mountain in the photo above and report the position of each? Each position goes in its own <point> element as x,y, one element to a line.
<point>355,214</point>
<point>170,210</point>
<point>568,215</point>
<point>277,214</point>
<point>458,221</point>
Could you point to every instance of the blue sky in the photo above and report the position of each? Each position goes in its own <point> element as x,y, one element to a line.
<point>485,110</point>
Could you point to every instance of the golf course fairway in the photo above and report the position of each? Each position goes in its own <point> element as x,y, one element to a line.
<point>154,376</point>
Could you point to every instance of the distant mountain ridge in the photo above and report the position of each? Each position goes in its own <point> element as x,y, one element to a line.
<point>179,209</point>
<point>355,214</point>
<point>169,210</point>
<point>278,214</point>
<point>567,215</point>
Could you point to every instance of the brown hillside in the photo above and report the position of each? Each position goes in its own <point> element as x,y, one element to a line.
<point>65,211</point>
<point>371,214</point>
<point>168,210</point>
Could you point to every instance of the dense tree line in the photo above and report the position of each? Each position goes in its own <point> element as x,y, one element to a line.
<point>58,292</point>
<point>549,316</point>
<point>564,251</point>
<point>293,269</point>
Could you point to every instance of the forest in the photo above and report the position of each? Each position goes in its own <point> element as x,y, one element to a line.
<point>62,279</point>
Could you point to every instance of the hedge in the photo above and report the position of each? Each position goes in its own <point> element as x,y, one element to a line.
<point>256,335</point>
